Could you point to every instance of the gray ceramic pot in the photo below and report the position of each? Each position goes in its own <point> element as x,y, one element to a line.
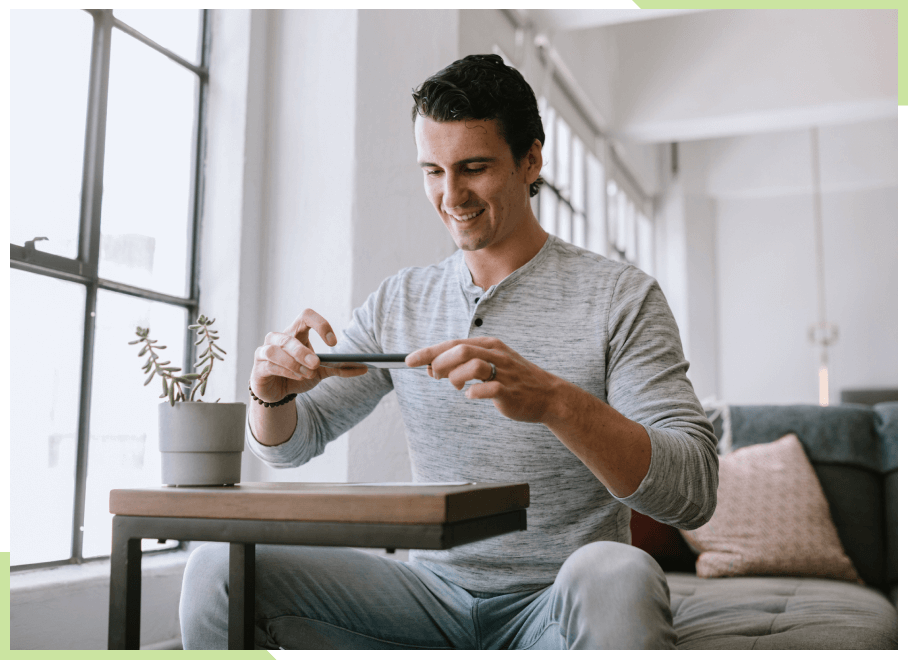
<point>201,443</point>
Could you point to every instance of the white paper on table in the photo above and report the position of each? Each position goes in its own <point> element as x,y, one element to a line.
<point>413,483</point>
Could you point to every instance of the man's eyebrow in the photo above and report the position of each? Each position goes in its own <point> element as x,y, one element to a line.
<point>465,161</point>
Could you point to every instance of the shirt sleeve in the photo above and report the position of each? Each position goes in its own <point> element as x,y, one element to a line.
<point>336,404</point>
<point>647,382</point>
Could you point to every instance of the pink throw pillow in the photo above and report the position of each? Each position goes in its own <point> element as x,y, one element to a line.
<point>771,518</point>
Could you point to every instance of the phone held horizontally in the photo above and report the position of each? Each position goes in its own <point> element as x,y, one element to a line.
<point>358,360</point>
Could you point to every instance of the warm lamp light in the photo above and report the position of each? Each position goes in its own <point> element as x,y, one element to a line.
<point>824,386</point>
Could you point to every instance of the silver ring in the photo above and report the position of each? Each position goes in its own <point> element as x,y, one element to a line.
<point>492,375</point>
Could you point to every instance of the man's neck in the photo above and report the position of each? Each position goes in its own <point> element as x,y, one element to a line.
<point>492,264</point>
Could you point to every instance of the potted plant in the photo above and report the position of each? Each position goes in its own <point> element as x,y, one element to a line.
<point>201,443</point>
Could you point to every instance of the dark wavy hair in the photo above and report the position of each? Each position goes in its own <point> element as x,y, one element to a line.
<point>484,87</point>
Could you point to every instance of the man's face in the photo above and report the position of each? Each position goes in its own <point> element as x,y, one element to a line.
<point>471,179</point>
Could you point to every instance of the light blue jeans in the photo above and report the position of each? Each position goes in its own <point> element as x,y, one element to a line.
<point>606,596</point>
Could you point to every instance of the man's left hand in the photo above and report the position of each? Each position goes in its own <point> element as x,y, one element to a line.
<point>520,390</point>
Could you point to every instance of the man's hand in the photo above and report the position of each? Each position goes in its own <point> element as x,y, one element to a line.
<point>614,448</point>
<point>520,389</point>
<point>286,362</point>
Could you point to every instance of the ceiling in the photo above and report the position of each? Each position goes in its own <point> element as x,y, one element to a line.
<point>686,90</point>
<point>556,20</point>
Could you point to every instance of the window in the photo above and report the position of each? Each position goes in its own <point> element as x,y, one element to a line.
<point>567,203</point>
<point>630,230</point>
<point>578,204</point>
<point>573,203</point>
<point>113,101</point>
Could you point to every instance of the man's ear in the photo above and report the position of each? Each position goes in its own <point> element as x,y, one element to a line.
<point>534,160</point>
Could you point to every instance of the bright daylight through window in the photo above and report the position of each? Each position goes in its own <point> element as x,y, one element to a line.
<point>112,101</point>
<point>580,205</point>
<point>572,202</point>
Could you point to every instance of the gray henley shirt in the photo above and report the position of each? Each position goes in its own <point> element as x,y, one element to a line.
<point>602,325</point>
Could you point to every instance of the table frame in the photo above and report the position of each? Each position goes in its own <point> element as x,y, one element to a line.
<point>243,535</point>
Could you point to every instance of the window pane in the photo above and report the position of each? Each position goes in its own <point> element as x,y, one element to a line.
<point>548,149</point>
<point>563,157</point>
<point>123,449</point>
<point>616,218</point>
<point>147,169</point>
<point>50,58</point>
<point>630,223</point>
<point>565,218</point>
<point>578,233</point>
<point>645,244</point>
<point>548,209</point>
<point>596,214</point>
<point>46,320</point>
<point>177,30</point>
<point>578,180</point>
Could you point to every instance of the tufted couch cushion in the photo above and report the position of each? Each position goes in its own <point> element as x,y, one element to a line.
<point>779,613</point>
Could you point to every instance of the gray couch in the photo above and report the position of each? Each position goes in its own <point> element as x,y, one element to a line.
<point>854,451</point>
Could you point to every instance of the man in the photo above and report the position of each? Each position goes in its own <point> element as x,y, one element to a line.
<point>583,394</point>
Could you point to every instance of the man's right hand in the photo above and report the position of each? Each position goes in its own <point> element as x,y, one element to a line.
<point>286,362</point>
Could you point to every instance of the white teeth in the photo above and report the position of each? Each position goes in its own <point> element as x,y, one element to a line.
<point>464,218</point>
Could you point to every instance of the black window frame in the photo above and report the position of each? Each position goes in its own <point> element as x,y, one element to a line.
<point>84,268</point>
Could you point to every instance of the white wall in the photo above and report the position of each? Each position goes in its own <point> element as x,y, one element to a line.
<point>766,264</point>
<point>67,607</point>
<point>731,72</point>
<point>685,220</point>
<point>394,226</point>
<point>308,189</point>
<point>737,261</point>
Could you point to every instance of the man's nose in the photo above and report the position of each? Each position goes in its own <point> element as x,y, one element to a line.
<point>455,192</point>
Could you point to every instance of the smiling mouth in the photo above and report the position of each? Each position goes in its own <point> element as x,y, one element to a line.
<point>467,217</point>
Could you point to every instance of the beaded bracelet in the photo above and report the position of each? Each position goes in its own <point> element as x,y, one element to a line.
<point>267,404</point>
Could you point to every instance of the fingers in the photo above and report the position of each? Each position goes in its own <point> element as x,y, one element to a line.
<point>307,320</point>
<point>484,390</point>
<point>294,340</point>
<point>273,360</point>
<point>464,361</point>
<point>428,355</point>
<point>299,354</point>
<point>474,369</point>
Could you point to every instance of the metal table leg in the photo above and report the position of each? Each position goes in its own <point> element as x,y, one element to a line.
<point>241,596</point>
<point>125,589</point>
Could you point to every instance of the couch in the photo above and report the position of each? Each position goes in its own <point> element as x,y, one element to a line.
<point>853,450</point>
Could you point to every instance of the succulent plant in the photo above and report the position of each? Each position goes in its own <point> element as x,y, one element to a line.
<point>172,382</point>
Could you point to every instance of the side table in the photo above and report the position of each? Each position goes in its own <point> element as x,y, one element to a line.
<point>412,516</point>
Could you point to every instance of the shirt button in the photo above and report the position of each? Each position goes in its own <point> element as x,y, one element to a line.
<point>478,322</point>
<point>475,300</point>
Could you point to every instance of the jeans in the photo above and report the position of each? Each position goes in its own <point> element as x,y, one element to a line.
<point>606,596</point>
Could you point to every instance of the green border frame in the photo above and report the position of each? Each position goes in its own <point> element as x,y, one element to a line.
<point>902,100</point>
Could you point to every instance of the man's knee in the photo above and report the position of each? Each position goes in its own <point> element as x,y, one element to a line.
<point>207,567</point>
<point>613,595</point>
<point>606,564</point>
<point>203,598</point>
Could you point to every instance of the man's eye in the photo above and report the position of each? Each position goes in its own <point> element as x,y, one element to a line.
<point>433,172</point>
<point>475,170</point>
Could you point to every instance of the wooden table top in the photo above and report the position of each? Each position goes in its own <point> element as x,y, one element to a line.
<point>325,502</point>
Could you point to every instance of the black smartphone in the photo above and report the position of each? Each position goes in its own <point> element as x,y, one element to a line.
<point>370,360</point>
